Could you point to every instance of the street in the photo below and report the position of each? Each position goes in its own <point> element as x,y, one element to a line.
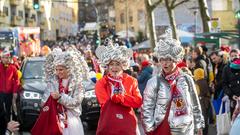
<point>211,131</point>
<point>68,60</point>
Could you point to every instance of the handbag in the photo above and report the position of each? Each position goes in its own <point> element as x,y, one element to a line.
<point>216,104</point>
<point>236,120</point>
<point>235,126</point>
<point>223,121</point>
<point>164,127</point>
<point>116,119</point>
<point>48,121</point>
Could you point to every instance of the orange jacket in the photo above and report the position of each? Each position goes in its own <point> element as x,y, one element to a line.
<point>132,97</point>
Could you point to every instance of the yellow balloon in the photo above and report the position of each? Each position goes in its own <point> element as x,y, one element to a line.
<point>19,74</point>
<point>98,76</point>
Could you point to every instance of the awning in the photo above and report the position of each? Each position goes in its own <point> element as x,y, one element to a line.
<point>123,34</point>
<point>90,26</point>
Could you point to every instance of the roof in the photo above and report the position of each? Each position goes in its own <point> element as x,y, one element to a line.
<point>90,26</point>
<point>225,35</point>
<point>36,58</point>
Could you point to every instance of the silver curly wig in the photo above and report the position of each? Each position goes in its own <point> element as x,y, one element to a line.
<point>167,47</point>
<point>114,52</point>
<point>72,59</point>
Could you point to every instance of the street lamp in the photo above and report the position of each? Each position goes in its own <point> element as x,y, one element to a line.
<point>97,18</point>
<point>195,11</point>
<point>237,16</point>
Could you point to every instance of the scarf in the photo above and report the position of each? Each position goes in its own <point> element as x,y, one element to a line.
<point>177,97</point>
<point>116,84</point>
<point>62,111</point>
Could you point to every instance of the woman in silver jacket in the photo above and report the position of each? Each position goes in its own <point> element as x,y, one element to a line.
<point>64,72</point>
<point>170,104</point>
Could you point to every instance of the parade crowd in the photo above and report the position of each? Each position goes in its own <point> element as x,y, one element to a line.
<point>176,90</point>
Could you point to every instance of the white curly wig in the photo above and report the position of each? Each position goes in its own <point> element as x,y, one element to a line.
<point>72,59</point>
<point>167,47</point>
<point>111,52</point>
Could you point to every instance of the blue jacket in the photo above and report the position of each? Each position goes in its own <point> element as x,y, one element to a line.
<point>143,77</point>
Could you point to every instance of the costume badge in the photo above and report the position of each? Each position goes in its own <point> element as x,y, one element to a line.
<point>119,116</point>
<point>46,108</point>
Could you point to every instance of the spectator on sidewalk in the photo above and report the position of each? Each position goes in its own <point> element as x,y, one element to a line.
<point>231,78</point>
<point>144,75</point>
<point>9,84</point>
<point>219,64</point>
<point>203,93</point>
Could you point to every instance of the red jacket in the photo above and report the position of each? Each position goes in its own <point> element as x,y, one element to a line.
<point>133,97</point>
<point>9,81</point>
<point>118,118</point>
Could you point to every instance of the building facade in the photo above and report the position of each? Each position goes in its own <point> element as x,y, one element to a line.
<point>224,11</point>
<point>131,15</point>
<point>55,19</point>
<point>99,11</point>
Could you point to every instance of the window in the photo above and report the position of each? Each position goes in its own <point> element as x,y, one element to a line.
<point>26,15</point>
<point>37,73</point>
<point>20,13</point>
<point>122,18</point>
<point>5,10</point>
<point>33,17</point>
<point>130,18</point>
<point>130,14</point>
<point>13,11</point>
<point>140,14</point>
<point>132,28</point>
<point>219,5</point>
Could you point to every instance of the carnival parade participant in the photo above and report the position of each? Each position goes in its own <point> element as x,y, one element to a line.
<point>170,102</point>
<point>117,92</point>
<point>64,72</point>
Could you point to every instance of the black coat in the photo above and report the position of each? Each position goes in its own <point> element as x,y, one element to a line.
<point>218,80</point>
<point>231,81</point>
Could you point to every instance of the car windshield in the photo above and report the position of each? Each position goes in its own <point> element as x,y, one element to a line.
<point>34,70</point>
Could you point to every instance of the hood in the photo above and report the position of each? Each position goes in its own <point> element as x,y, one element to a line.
<point>148,69</point>
<point>36,85</point>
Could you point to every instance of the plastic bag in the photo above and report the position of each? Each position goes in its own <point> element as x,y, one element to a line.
<point>223,121</point>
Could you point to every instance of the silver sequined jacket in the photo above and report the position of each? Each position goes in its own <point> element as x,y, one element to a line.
<point>155,105</point>
<point>72,101</point>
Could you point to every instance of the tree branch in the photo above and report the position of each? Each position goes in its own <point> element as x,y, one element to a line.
<point>172,3</point>
<point>154,5</point>
<point>174,6</point>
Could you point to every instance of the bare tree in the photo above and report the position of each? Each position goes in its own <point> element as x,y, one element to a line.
<point>204,14</point>
<point>149,9</point>
<point>171,5</point>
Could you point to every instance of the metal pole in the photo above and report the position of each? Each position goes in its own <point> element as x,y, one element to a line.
<point>238,33</point>
<point>126,19</point>
<point>195,20</point>
<point>98,27</point>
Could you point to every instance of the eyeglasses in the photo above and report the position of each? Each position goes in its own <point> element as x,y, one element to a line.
<point>165,60</point>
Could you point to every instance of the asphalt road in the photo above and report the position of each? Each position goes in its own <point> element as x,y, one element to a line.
<point>212,130</point>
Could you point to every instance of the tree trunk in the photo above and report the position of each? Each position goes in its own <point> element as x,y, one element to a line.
<point>151,25</point>
<point>204,14</point>
<point>172,20</point>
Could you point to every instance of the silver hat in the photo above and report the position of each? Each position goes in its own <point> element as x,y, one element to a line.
<point>167,47</point>
<point>111,52</point>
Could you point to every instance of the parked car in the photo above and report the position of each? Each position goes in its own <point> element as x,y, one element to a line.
<point>90,106</point>
<point>29,101</point>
